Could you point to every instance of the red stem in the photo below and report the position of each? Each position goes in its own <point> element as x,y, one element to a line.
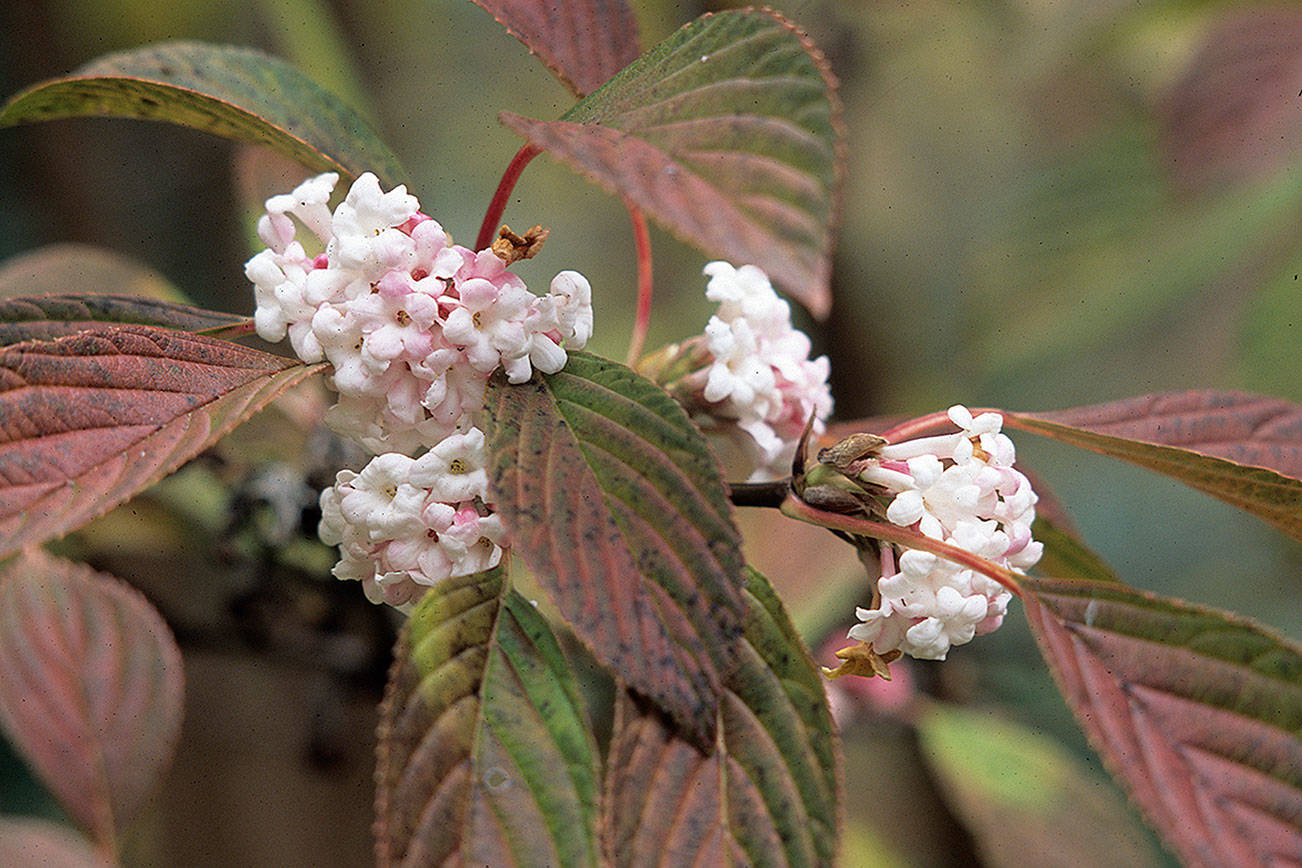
<point>931,423</point>
<point>642,241</point>
<point>504,187</point>
<point>798,509</point>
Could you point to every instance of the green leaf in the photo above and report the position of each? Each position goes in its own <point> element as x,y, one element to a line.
<point>1197,713</point>
<point>1025,799</point>
<point>485,756</point>
<point>615,502</point>
<point>1243,449</point>
<point>90,687</point>
<point>88,420</point>
<point>766,796</point>
<point>237,93</point>
<point>727,133</point>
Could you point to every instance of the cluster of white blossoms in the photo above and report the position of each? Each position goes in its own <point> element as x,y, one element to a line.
<point>961,489</point>
<point>413,327</point>
<point>412,324</point>
<point>405,523</point>
<point>761,376</point>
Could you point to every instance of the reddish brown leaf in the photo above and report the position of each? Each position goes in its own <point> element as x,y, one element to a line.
<point>664,804</point>
<point>90,687</point>
<point>1244,449</point>
<point>52,316</point>
<point>88,420</point>
<point>1239,427</point>
<point>615,502</point>
<point>584,42</point>
<point>728,134</point>
<point>1197,713</point>
<point>1233,113</point>
<point>61,289</point>
<point>766,794</point>
<point>28,841</point>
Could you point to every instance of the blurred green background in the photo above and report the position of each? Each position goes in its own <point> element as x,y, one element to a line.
<point>1048,203</point>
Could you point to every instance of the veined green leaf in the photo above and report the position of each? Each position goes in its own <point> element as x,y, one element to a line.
<point>485,756</point>
<point>238,93</point>
<point>727,133</point>
<point>615,502</point>
<point>1197,713</point>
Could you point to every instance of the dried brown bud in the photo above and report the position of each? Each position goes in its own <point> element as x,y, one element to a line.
<point>512,248</point>
<point>862,659</point>
<point>850,450</point>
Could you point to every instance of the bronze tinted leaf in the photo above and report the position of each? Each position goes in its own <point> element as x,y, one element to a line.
<point>485,757</point>
<point>51,316</point>
<point>584,42</point>
<point>237,93</point>
<point>615,502</point>
<point>90,686</point>
<point>90,419</point>
<point>1243,449</point>
<point>727,133</point>
<point>1197,713</point>
<point>766,796</point>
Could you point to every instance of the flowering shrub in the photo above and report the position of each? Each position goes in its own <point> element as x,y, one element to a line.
<point>493,445</point>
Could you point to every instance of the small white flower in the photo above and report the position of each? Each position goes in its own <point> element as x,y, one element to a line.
<point>309,202</point>
<point>365,228</point>
<point>488,324</point>
<point>381,498</point>
<point>567,309</point>
<point>455,469</point>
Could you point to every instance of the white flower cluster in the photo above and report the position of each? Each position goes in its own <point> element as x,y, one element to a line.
<point>961,489</point>
<point>761,374</point>
<point>413,327</point>
<point>412,324</point>
<point>406,523</point>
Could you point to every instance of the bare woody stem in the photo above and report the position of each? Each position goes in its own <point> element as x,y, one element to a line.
<point>642,241</point>
<point>798,509</point>
<point>497,206</point>
<point>769,494</point>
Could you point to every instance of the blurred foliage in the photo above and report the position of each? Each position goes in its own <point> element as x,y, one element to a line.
<point>1047,204</point>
